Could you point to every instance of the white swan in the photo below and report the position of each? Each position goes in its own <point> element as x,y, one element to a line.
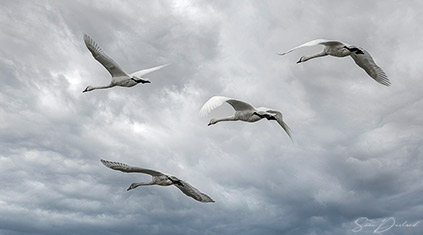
<point>159,178</point>
<point>119,77</point>
<point>243,111</point>
<point>340,49</point>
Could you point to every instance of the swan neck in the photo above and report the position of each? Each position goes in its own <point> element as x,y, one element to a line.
<point>230,118</point>
<point>305,58</point>
<point>135,185</point>
<point>102,87</point>
<point>145,184</point>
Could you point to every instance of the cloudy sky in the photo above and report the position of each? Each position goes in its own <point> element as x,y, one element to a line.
<point>357,149</point>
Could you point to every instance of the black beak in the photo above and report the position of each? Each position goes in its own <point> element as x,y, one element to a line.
<point>209,124</point>
<point>299,61</point>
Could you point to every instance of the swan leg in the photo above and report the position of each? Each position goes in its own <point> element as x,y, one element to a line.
<point>267,116</point>
<point>139,80</point>
<point>354,49</point>
<point>177,182</point>
<point>261,116</point>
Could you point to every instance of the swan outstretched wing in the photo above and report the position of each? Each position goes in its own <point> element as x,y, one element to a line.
<point>98,54</point>
<point>140,73</point>
<point>217,101</point>
<point>129,169</point>
<point>190,191</point>
<point>279,118</point>
<point>366,62</point>
<point>315,42</point>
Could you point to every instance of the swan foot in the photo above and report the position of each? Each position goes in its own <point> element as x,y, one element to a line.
<point>354,49</point>
<point>177,182</point>
<point>267,116</point>
<point>140,81</point>
<point>262,115</point>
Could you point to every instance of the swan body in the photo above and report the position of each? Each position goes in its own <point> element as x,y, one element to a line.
<point>119,77</point>
<point>340,49</point>
<point>159,178</point>
<point>243,112</point>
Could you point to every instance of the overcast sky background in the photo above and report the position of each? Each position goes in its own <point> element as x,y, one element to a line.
<point>357,149</point>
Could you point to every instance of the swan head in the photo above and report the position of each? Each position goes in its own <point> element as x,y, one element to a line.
<point>89,88</point>
<point>302,59</point>
<point>212,122</point>
<point>132,186</point>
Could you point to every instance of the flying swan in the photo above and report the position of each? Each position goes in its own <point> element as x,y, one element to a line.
<point>340,49</point>
<point>243,111</point>
<point>159,178</point>
<point>119,77</point>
